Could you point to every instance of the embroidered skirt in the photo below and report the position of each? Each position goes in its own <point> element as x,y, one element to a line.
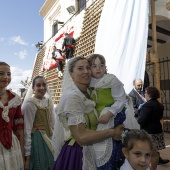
<point>11,159</point>
<point>41,155</point>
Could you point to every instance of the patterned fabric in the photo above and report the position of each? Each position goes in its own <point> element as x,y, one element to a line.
<point>41,156</point>
<point>42,120</point>
<point>11,159</point>
<point>158,141</point>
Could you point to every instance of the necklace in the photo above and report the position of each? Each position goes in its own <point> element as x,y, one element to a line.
<point>2,95</point>
<point>85,93</point>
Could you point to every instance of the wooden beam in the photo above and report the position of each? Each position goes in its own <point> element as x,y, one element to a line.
<point>158,40</point>
<point>160,30</point>
<point>154,54</point>
<point>149,46</point>
<point>154,35</point>
<point>153,59</point>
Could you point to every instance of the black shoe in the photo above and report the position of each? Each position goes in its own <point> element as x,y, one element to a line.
<point>163,161</point>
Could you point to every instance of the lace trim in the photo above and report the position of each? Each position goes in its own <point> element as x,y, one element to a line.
<point>107,81</point>
<point>88,158</point>
<point>13,103</point>
<point>12,158</point>
<point>75,120</point>
<point>106,154</point>
<point>35,101</point>
<point>16,101</point>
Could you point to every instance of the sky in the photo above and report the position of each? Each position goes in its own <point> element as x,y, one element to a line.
<point>21,27</point>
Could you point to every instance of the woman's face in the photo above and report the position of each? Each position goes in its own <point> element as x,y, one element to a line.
<point>40,88</point>
<point>81,74</point>
<point>5,76</point>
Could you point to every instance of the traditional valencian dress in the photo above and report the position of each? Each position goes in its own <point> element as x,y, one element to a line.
<point>109,95</point>
<point>74,108</point>
<point>11,120</point>
<point>39,120</point>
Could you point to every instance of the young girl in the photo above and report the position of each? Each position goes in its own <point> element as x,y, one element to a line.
<point>39,120</point>
<point>110,98</point>
<point>11,124</point>
<point>137,148</point>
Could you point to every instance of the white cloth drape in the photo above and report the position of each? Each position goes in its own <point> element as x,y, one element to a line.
<point>122,38</point>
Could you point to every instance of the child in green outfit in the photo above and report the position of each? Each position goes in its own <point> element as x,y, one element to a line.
<point>109,94</point>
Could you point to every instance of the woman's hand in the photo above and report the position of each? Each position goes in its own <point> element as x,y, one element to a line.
<point>117,133</point>
<point>27,163</point>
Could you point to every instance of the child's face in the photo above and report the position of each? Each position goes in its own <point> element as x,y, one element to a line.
<point>40,88</point>
<point>98,69</point>
<point>139,156</point>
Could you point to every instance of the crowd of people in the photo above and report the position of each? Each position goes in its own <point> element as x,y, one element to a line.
<point>95,126</point>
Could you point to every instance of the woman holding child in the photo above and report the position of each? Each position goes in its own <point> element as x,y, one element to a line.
<point>77,120</point>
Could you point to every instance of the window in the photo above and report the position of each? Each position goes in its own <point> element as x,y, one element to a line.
<point>81,5</point>
<point>55,28</point>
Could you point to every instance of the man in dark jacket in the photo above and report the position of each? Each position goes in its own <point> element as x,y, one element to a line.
<point>137,95</point>
<point>68,46</point>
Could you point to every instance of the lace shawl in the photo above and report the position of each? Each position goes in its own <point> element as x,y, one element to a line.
<point>107,81</point>
<point>117,91</point>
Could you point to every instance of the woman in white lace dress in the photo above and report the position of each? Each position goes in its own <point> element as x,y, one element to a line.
<point>11,124</point>
<point>76,120</point>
